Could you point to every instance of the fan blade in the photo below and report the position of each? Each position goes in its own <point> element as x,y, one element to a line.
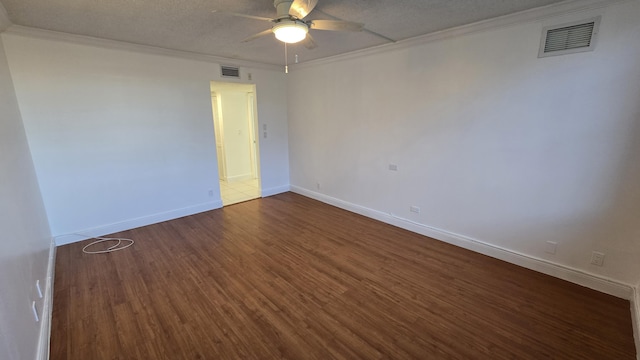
<point>335,25</point>
<point>243,15</point>
<point>308,42</point>
<point>302,8</point>
<point>260,34</point>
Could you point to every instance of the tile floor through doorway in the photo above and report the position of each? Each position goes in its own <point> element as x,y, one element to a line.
<point>238,191</point>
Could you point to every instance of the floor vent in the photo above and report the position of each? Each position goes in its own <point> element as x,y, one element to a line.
<point>230,71</point>
<point>569,38</point>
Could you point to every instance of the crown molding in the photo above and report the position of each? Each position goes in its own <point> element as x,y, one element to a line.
<point>563,8</point>
<point>132,47</point>
<point>4,19</point>
<point>531,15</point>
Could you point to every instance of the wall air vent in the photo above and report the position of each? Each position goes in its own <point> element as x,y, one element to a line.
<point>230,71</point>
<point>570,38</point>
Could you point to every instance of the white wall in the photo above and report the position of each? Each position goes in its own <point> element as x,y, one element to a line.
<point>122,138</point>
<point>492,143</point>
<point>25,240</point>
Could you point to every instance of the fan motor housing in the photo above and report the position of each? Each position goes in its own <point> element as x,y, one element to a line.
<point>282,8</point>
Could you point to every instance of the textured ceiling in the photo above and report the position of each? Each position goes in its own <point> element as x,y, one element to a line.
<point>190,25</point>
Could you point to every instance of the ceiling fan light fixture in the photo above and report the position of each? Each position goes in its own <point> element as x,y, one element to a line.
<point>290,32</point>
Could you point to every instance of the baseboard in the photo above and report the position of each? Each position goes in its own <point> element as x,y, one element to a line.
<point>275,190</point>
<point>63,239</point>
<point>635,316</point>
<point>596,282</point>
<point>47,308</point>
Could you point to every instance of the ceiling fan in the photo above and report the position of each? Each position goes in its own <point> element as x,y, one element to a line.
<point>289,26</point>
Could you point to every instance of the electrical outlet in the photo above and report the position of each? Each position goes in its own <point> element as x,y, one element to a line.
<point>264,134</point>
<point>211,193</point>
<point>35,311</point>
<point>249,76</point>
<point>393,167</point>
<point>39,289</point>
<point>414,209</point>
<point>597,258</point>
<point>551,247</point>
<point>318,185</point>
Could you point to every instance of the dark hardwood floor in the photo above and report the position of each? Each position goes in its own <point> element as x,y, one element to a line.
<point>287,277</point>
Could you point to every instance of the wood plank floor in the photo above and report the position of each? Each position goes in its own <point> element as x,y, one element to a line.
<point>287,277</point>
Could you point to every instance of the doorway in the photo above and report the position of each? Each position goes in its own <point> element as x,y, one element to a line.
<point>235,124</point>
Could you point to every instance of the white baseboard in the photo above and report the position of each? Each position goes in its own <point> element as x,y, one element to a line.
<point>596,282</point>
<point>275,190</point>
<point>47,308</point>
<point>64,239</point>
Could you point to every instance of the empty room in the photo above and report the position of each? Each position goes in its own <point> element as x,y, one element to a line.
<point>320,179</point>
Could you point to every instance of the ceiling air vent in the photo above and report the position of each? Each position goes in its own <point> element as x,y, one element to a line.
<point>230,71</point>
<point>570,38</point>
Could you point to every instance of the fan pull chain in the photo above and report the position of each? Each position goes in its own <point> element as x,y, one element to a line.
<point>286,64</point>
